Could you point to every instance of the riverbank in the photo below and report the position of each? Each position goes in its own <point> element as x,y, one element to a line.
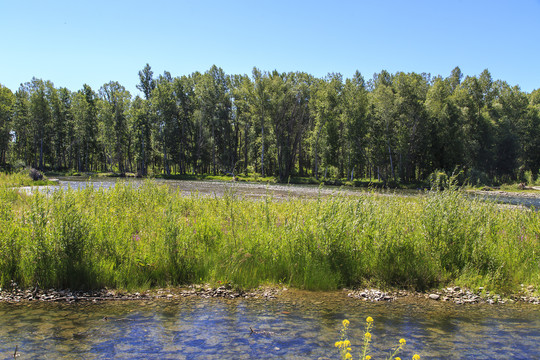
<point>454,294</point>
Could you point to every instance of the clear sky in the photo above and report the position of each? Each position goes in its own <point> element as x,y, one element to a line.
<point>72,42</point>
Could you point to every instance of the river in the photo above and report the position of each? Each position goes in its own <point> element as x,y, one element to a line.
<point>296,325</point>
<point>277,191</point>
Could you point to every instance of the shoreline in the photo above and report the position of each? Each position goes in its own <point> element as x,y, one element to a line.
<point>455,294</point>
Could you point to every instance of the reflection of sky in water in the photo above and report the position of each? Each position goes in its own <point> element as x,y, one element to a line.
<point>297,325</point>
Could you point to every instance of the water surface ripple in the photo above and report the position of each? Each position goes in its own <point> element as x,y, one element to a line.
<point>297,325</point>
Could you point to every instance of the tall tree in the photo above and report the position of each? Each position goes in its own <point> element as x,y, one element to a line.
<point>40,115</point>
<point>410,95</point>
<point>260,105</point>
<point>23,146</point>
<point>83,138</point>
<point>384,110</point>
<point>445,146</point>
<point>289,113</point>
<point>147,84</point>
<point>166,112</point>
<point>116,103</point>
<point>242,92</point>
<point>7,102</point>
<point>327,107</point>
<point>215,106</point>
<point>355,113</point>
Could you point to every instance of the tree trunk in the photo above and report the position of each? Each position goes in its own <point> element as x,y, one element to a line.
<point>262,151</point>
<point>214,149</point>
<point>246,150</point>
<point>41,154</point>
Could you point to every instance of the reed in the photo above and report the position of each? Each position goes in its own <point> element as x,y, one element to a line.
<point>150,236</point>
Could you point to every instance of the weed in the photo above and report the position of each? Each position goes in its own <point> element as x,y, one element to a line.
<point>149,236</point>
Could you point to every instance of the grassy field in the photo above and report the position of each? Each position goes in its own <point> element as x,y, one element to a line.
<point>147,237</point>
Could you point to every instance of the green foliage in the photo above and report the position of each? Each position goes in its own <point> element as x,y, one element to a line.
<point>395,128</point>
<point>150,236</point>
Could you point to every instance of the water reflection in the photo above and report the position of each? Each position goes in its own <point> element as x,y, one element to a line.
<point>296,326</point>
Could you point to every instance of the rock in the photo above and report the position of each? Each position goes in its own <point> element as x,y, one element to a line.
<point>434,296</point>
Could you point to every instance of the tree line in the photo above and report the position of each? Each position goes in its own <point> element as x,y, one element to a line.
<point>394,127</point>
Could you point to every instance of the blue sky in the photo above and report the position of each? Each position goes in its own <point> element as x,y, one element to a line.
<point>94,42</point>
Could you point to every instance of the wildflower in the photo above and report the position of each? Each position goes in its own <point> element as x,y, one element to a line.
<point>367,357</point>
<point>348,356</point>
<point>339,343</point>
<point>369,319</point>
<point>367,336</point>
<point>416,357</point>
<point>346,322</point>
<point>397,358</point>
<point>346,343</point>
<point>349,349</point>
<point>402,341</point>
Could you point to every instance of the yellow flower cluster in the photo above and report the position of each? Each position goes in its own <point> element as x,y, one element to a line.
<point>343,344</point>
<point>345,349</point>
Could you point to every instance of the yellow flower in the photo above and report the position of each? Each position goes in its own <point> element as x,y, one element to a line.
<point>367,336</point>
<point>397,358</point>
<point>348,356</point>
<point>402,341</point>
<point>369,319</point>
<point>367,357</point>
<point>346,343</point>
<point>349,349</point>
<point>346,322</point>
<point>416,357</point>
<point>338,343</point>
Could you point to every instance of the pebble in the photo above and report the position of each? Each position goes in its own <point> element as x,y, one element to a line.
<point>17,295</point>
<point>453,294</point>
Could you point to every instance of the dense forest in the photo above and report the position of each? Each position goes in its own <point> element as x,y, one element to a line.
<point>394,127</point>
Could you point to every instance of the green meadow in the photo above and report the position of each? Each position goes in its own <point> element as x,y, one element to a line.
<point>151,236</point>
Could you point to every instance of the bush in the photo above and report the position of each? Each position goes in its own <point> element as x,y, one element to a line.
<point>35,174</point>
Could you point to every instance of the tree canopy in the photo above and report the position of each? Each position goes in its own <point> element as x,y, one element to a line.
<point>394,127</point>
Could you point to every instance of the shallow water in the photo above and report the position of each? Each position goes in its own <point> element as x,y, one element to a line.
<point>206,188</point>
<point>277,191</point>
<point>297,325</point>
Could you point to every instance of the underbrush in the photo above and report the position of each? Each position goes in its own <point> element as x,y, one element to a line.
<point>149,237</point>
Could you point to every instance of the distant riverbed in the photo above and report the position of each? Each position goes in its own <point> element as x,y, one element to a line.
<point>277,191</point>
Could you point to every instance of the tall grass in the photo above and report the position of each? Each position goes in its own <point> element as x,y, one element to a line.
<point>144,237</point>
